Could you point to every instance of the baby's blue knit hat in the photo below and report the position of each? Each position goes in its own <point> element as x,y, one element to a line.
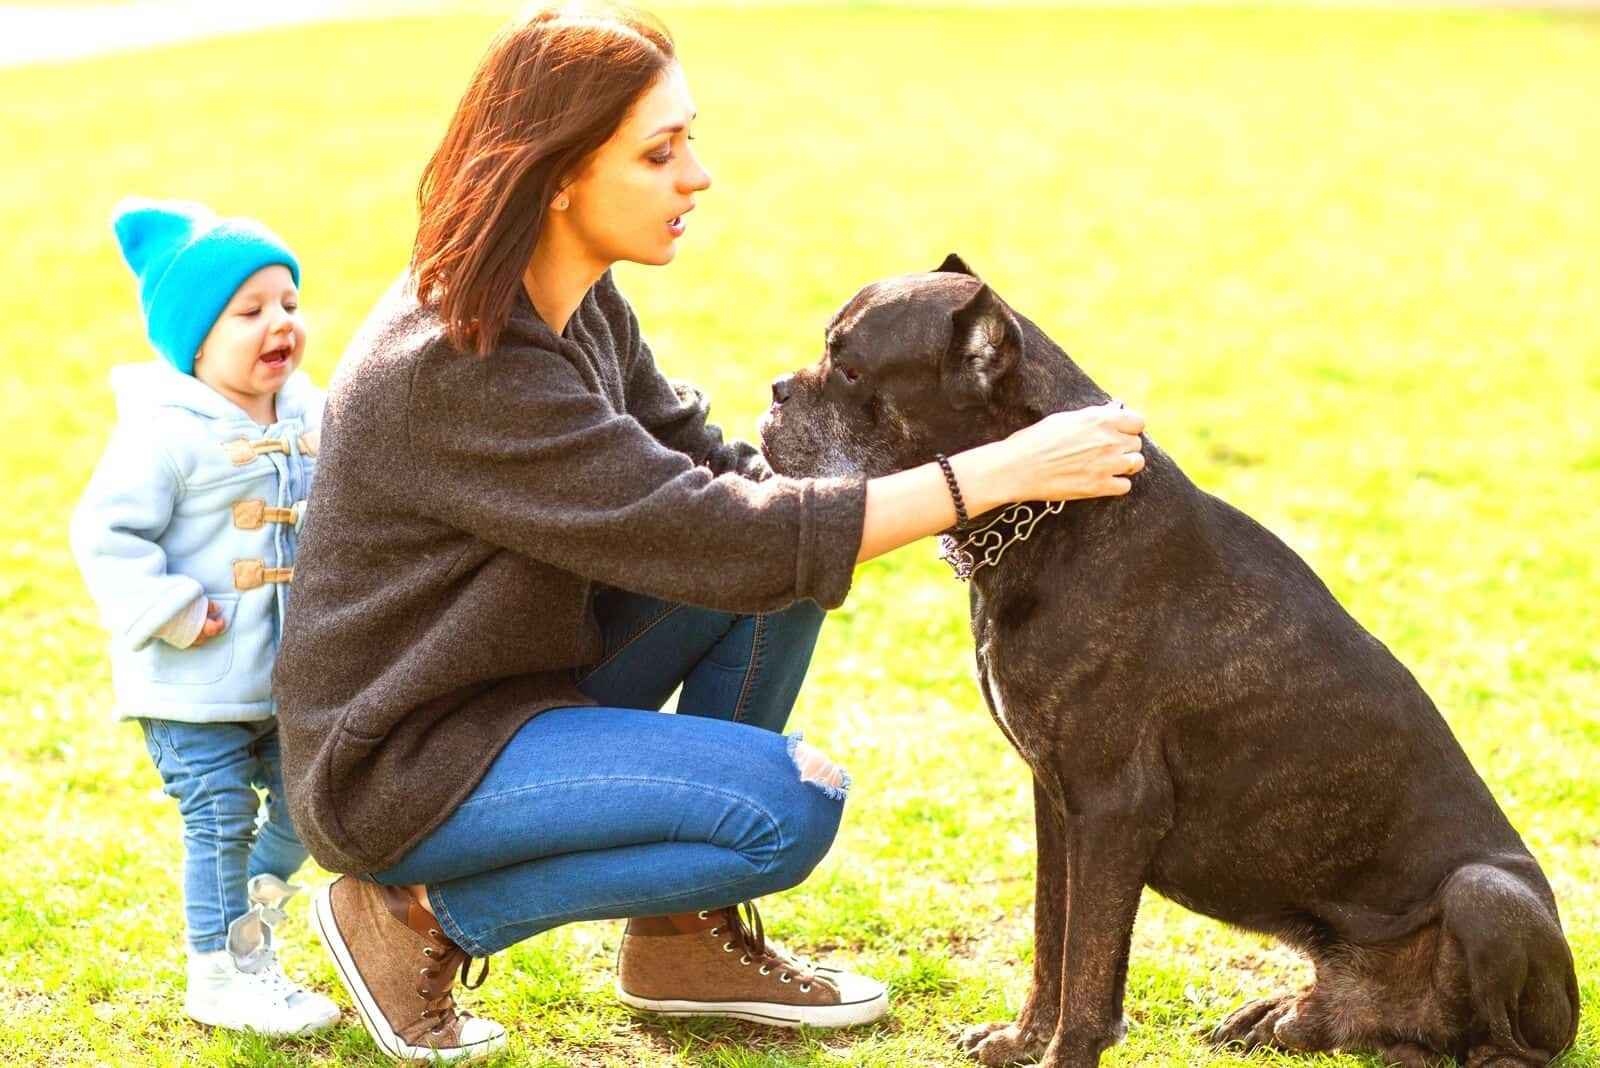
<point>189,261</point>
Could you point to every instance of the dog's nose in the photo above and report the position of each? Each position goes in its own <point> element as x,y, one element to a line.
<point>781,388</point>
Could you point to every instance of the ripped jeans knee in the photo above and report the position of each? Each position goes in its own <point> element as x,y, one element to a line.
<point>816,769</point>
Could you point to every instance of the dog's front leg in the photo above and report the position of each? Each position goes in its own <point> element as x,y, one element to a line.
<point>1024,1040</point>
<point>1111,837</point>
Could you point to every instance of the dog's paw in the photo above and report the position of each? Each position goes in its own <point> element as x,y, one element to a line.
<point>1255,1023</point>
<point>1001,1043</point>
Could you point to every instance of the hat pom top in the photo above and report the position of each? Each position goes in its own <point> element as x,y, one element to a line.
<point>189,262</point>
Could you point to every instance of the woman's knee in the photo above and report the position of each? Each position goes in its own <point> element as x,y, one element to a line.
<point>817,769</point>
<point>815,797</point>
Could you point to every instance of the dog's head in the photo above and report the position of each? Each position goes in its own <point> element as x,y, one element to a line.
<point>913,366</point>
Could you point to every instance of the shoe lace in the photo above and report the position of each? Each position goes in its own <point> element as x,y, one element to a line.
<point>268,974</point>
<point>743,922</point>
<point>439,1005</point>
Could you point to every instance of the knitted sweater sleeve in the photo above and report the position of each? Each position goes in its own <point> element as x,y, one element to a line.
<point>516,449</point>
<point>676,412</point>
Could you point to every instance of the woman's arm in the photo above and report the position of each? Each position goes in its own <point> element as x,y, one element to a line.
<point>1064,456</point>
<point>518,450</point>
<point>675,413</point>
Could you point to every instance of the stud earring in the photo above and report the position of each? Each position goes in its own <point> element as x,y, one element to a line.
<point>561,203</point>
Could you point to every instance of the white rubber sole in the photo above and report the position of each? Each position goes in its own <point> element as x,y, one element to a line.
<point>773,1014</point>
<point>203,1014</point>
<point>322,922</point>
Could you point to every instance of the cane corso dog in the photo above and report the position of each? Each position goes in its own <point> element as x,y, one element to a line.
<point>1201,717</point>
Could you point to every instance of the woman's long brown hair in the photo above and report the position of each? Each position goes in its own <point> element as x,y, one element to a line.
<point>552,88</point>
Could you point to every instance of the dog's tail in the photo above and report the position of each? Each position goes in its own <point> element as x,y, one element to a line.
<point>1522,992</point>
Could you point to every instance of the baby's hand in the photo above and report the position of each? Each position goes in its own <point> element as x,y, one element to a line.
<point>212,626</point>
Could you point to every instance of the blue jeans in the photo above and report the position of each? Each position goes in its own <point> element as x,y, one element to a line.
<point>229,835</point>
<point>617,810</point>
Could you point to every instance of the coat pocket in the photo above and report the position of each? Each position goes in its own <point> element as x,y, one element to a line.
<point>197,665</point>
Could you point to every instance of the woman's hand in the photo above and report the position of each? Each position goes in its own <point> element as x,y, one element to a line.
<point>1066,456</point>
<point>1093,452</point>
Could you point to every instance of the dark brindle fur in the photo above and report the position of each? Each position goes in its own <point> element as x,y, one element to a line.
<point>1201,717</point>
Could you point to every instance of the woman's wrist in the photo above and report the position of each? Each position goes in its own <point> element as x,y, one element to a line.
<point>983,473</point>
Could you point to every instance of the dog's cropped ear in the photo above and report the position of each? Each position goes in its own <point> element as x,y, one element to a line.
<point>954,264</point>
<point>985,344</point>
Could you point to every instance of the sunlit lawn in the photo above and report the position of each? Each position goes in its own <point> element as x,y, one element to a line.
<point>1346,264</point>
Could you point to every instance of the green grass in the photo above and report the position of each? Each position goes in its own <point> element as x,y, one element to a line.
<point>1344,262</point>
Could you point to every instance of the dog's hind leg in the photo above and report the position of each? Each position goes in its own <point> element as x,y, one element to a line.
<point>1255,1023</point>
<point>1411,1055</point>
<point>1380,999</point>
<point>1496,1057</point>
<point>1011,1043</point>
<point>1521,991</point>
<point>1488,981</point>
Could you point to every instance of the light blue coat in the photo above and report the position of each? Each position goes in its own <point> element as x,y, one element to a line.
<point>179,507</point>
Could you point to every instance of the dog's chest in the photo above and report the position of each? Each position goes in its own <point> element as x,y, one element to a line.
<point>993,691</point>
<point>1009,703</point>
<point>1012,627</point>
<point>996,693</point>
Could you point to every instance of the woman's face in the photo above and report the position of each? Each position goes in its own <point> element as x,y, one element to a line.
<point>630,200</point>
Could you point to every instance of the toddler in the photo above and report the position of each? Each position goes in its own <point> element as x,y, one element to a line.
<point>186,538</point>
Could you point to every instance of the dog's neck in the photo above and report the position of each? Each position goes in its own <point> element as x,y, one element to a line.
<point>1016,537</point>
<point>1045,381</point>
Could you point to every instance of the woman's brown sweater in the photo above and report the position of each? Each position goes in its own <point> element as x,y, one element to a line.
<point>464,511</point>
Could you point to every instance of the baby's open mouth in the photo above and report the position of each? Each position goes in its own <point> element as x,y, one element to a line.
<point>277,357</point>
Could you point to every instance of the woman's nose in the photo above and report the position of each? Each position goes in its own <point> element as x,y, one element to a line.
<point>698,177</point>
<point>782,388</point>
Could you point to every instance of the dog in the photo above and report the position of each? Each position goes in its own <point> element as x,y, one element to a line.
<point>1201,716</point>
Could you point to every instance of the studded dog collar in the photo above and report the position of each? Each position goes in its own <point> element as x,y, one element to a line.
<point>985,545</point>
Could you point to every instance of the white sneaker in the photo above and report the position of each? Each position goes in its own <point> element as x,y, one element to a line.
<point>263,999</point>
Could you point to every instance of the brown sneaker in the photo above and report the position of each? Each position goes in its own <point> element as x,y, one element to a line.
<point>400,971</point>
<point>714,963</point>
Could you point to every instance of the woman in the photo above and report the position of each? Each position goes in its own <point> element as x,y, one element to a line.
<point>523,538</point>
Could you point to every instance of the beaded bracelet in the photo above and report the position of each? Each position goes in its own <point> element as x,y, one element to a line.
<point>955,491</point>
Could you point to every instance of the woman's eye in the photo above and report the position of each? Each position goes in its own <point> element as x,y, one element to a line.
<point>660,158</point>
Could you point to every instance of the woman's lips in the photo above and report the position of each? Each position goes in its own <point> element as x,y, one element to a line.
<point>675,226</point>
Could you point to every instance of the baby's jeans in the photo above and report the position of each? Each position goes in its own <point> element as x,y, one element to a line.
<point>615,810</point>
<point>229,835</point>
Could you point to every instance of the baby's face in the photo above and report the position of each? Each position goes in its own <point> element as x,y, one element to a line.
<point>257,341</point>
